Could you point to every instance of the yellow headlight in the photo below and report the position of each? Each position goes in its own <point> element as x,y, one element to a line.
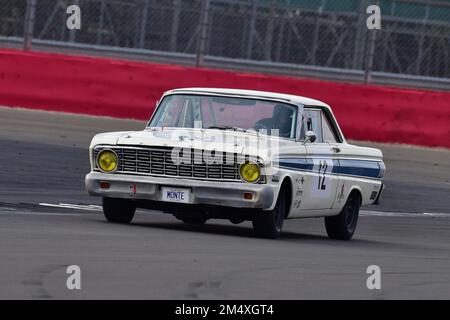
<point>250,172</point>
<point>107,161</point>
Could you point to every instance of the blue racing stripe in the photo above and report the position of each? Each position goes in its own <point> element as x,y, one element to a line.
<point>360,168</point>
<point>297,163</point>
<point>364,168</point>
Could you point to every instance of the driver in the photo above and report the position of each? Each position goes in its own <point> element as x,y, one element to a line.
<point>282,120</point>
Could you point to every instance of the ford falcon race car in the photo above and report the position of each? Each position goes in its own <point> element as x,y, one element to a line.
<point>238,155</point>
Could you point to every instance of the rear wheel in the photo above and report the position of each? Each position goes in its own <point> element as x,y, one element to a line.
<point>270,224</point>
<point>118,210</point>
<point>343,226</point>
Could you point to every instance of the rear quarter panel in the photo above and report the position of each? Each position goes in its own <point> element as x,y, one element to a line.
<point>361,169</point>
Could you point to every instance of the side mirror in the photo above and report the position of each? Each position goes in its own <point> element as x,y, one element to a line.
<point>310,136</point>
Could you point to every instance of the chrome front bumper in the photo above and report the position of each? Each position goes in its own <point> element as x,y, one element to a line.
<point>228,194</point>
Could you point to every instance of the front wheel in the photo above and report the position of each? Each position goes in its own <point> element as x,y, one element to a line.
<point>269,224</point>
<point>118,210</point>
<point>343,226</point>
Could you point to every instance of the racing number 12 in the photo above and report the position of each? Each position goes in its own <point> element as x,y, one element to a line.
<point>323,166</point>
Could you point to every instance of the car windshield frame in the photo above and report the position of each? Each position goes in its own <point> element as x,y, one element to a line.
<point>296,110</point>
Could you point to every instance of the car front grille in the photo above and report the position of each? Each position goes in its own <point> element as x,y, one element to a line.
<point>159,162</point>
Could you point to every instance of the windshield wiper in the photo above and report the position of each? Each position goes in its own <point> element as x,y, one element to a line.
<point>227,128</point>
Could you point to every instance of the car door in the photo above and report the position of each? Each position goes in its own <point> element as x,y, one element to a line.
<point>321,183</point>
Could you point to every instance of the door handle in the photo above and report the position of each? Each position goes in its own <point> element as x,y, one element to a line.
<point>336,149</point>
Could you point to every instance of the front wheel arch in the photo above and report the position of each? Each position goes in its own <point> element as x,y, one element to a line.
<point>270,223</point>
<point>286,187</point>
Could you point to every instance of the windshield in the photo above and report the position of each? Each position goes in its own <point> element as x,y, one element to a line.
<point>214,112</point>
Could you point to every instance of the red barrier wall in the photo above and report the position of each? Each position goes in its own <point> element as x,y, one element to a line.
<point>124,89</point>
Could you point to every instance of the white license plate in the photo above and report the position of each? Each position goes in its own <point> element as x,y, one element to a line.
<point>179,195</point>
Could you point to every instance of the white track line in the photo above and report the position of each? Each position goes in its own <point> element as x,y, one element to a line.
<point>402,214</point>
<point>9,211</point>
<point>362,213</point>
<point>89,207</point>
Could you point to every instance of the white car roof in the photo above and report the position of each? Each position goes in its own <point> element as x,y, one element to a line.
<point>254,94</point>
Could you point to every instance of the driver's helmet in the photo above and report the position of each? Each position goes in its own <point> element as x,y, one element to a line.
<point>282,119</point>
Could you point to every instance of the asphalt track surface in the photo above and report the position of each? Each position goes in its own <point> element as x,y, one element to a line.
<point>44,159</point>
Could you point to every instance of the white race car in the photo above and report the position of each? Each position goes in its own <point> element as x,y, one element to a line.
<point>238,155</point>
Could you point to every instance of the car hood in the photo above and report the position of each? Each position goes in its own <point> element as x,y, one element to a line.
<point>248,143</point>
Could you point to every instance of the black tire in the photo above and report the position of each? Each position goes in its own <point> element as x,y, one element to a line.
<point>193,220</point>
<point>343,226</point>
<point>118,210</point>
<point>269,224</point>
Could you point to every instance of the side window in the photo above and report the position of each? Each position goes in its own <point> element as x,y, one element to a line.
<point>328,133</point>
<point>312,122</point>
